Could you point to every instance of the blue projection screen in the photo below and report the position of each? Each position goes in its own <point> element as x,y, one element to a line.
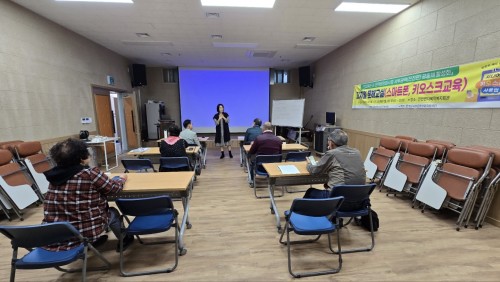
<point>243,92</point>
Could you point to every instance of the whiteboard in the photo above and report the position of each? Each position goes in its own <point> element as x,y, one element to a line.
<point>288,112</point>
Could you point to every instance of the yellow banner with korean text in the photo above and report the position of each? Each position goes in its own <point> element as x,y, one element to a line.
<point>474,85</point>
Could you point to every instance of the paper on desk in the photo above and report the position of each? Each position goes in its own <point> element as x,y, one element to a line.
<point>288,169</point>
<point>139,150</point>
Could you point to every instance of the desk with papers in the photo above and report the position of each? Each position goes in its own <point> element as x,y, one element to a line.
<point>284,148</point>
<point>289,174</point>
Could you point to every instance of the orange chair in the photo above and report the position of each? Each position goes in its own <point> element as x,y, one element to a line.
<point>489,187</point>
<point>378,159</point>
<point>454,184</point>
<point>32,157</point>
<point>9,145</point>
<point>17,190</point>
<point>443,147</point>
<point>405,140</point>
<point>408,169</point>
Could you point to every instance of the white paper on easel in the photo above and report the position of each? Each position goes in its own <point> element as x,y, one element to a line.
<point>288,169</point>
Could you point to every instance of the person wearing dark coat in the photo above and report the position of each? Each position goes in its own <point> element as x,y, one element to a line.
<point>222,134</point>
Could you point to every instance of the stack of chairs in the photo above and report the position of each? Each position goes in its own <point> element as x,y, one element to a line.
<point>405,141</point>
<point>489,187</point>
<point>30,155</point>
<point>407,170</point>
<point>443,147</point>
<point>454,183</point>
<point>9,145</point>
<point>17,190</point>
<point>378,159</point>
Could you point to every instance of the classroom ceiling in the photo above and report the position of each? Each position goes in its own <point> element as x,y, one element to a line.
<point>183,33</point>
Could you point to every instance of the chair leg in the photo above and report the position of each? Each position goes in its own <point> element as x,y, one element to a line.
<point>372,233</point>
<point>84,267</point>
<point>287,229</point>
<point>13,265</point>
<point>175,226</point>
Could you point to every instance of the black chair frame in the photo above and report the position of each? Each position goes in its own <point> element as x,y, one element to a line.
<point>313,208</point>
<point>143,207</point>
<point>355,195</point>
<point>32,237</point>
<point>138,165</point>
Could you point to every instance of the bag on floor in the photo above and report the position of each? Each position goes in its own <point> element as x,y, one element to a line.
<point>365,221</point>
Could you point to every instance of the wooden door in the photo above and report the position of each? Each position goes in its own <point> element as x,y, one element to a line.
<point>130,116</point>
<point>105,119</point>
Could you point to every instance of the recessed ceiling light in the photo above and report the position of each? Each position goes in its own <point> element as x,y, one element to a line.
<point>142,34</point>
<point>308,39</point>
<point>239,3</point>
<point>216,36</point>
<point>212,15</point>
<point>371,8</point>
<point>100,1</point>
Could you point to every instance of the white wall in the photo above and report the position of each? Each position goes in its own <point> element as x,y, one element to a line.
<point>430,35</point>
<point>46,73</point>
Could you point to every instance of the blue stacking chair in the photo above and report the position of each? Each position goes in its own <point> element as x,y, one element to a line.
<point>297,156</point>
<point>356,203</point>
<point>312,217</point>
<point>151,215</point>
<point>259,170</point>
<point>33,237</point>
<point>175,164</point>
<point>141,165</point>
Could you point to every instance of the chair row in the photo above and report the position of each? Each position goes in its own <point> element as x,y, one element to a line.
<point>150,216</point>
<point>22,182</point>
<point>157,214</point>
<point>465,182</point>
<point>438,174</point>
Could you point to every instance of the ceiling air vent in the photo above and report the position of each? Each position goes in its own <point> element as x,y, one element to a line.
<point>260,54</point>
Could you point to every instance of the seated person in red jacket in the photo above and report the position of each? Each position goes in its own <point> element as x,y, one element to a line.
<point>77,194</point>
<point>265,144</point>
<point>173,145</point>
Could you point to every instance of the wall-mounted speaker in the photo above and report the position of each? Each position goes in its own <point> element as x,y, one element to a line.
<point>305,77</point>
<point>138,75</point>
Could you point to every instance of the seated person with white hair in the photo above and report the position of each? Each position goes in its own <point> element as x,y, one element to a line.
<point>265,144</point>
<point>342,163</point>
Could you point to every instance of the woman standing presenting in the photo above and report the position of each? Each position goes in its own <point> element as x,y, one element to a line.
<point>222,134</point>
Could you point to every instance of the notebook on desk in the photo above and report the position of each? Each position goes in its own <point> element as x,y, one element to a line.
<point>288,169</point>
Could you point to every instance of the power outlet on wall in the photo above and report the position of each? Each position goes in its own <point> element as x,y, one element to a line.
<point>86,120</point>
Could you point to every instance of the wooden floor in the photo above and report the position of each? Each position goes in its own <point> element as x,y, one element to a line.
<point>234,238</point>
